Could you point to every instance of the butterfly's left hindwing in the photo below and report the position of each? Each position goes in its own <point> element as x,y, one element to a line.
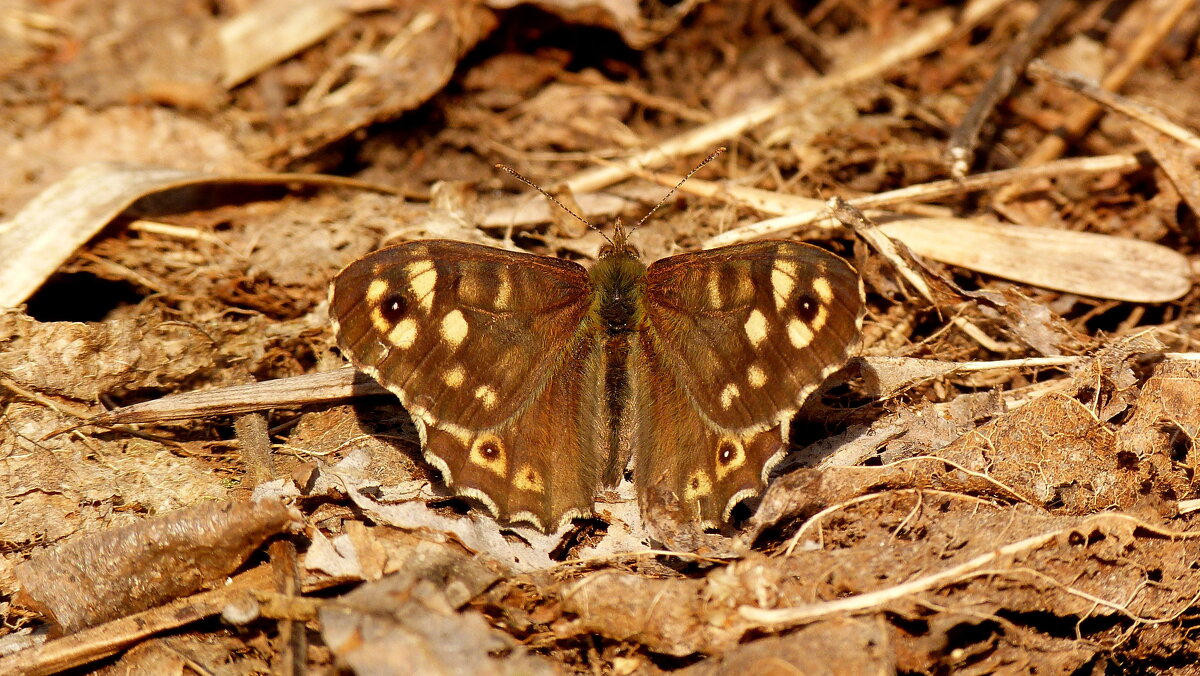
<point>483,346</point>
<point>734,340</point>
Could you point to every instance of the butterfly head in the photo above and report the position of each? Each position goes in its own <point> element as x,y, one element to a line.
<point>619,244</point>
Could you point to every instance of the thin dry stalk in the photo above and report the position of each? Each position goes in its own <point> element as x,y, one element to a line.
<point>884,245</point>
<point>960,150</point>
<point>803,211</point>
<point>932,34</point>
<point>776,618</point>
<point>1121,104</point>
<point>1131,59</point>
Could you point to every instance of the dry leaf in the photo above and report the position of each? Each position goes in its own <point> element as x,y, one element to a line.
<point>70,212</point>
<point>1085,263</point>
<point>407,622</point>
<point>106,575</point>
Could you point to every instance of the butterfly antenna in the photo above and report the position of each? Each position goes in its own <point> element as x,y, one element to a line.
<point>712,156</point>
<point>552,198</point>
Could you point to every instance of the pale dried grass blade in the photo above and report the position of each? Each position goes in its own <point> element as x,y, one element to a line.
<point>310,388</point>
<point>1137,111</point>
<point>46,232</point>
<point>273,30</point>
<point>794,211</point>
<point>1085,263</point>
<point>870,233</point>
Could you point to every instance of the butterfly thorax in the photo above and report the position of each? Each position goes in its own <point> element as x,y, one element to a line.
<point>618,283</point>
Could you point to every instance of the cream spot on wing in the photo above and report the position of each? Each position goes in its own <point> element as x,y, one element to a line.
<point>454,377</point>
<point>783,281</point>
<point>529,479</point>
<point>504,291</point>
<point>799,333</point>
<point>376,290</point>
<point>488,452</point>
<point>454,328</point>
<point>380,322</point>
<point>714,290</point>
<point>486,395</point>
<point>756,376</point>
<point>818,322</point>
<point>403,334</point>
<point>823,290</point>
<point>756,327</point>
<point>728,394</point>
<point>422,277</point>
<point>698,485</point>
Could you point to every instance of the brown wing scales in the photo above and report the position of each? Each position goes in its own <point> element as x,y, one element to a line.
<point>735,339</point>
<point>705,468</point>
<point>472,340</point>
<point>504,370</point>
<point>547,460</point>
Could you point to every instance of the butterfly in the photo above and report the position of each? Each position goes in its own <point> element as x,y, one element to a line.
<point>532,380</point>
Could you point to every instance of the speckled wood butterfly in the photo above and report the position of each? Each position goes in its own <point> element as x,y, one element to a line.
<point>532,380</point>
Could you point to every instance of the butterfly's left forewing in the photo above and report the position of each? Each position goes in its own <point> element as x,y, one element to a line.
<point>734,340</point>
<point>483,346</point>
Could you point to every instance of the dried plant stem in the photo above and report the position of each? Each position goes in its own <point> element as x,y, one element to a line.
<point>960,150</point>
<point>814,211</point>
<point>293,653</point>
<point>884,245</point>
<point>815,519</point>
<point>980,336</point>
<point>255,444</point>
<point>1121,104</point>
<point>1131,59</point>
<point>296,391</point>
<point>776,617</point>
<point>936,29</point>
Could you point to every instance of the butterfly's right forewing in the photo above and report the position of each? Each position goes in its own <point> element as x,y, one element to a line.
<point>485,348</point>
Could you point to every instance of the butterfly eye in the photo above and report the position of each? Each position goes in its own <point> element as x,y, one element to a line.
<point>395,307</point>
